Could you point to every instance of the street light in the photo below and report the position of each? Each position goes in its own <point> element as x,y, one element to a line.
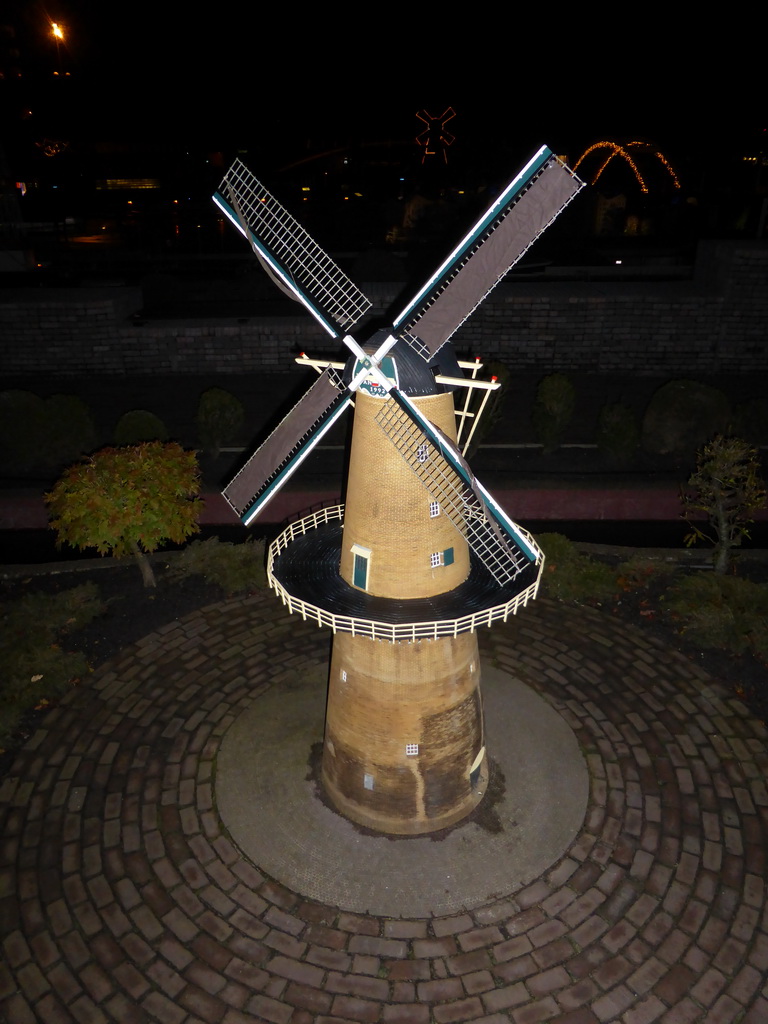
<point>58,34</point>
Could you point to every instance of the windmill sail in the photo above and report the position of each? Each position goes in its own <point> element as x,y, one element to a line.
<point>290,254</point>
<point>531,201</point>
<point>287,446</point>
<point>437,463</point>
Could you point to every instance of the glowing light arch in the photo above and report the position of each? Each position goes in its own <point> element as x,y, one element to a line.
<point>623,151</point>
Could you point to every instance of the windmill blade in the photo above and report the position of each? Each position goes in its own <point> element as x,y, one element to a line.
<point>290,253</point>
<point>492,536</point>
<point>287,446</point>
<point>531,201</point>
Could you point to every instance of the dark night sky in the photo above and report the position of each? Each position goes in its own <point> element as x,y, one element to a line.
<point>279,79</point>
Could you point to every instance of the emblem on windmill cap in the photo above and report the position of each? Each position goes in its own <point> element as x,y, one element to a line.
<point>404,368</point>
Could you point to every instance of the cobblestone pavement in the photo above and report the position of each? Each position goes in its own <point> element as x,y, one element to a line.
<point>123,899</point>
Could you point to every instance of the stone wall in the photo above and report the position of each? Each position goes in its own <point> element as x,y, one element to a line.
<point>714,323</point>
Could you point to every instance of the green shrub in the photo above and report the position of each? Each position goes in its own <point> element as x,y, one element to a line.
<point>681,416</point>
<point>553,409</point>
<point>35,667</point>
<point>21,438</point>
<point>572,576</point>
<point>618,432</point>
<point>51,614</point>
<point>219,418</point>
<point>750,421</point>
<point>37,435</point>
<point>128,501</point>
<point>723,612</point>
<point>641,571</point>
<point>234,567</point>
<point>69,430</point>
<point>139,425</point>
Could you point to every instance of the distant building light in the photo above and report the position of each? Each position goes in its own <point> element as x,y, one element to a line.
<point>109,184</point>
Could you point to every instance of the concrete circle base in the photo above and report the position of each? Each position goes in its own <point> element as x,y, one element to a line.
<point>268,800</point>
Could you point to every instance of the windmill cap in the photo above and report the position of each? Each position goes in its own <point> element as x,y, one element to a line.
<point>413,376</point>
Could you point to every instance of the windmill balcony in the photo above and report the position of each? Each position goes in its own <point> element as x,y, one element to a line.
<point>303,569</point>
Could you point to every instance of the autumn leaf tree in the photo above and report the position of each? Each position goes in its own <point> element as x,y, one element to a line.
<point>724,493</point>
<point>128,501</point>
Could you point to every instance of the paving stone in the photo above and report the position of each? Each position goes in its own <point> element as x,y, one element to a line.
<point>429,948</point>
<point>295,970</point>
<point>366,965</point>
<point>413,1013</point>
<point>351,984</point>
<point>466,962</point>
<point>465,1009</point>
<point>478,938</point>
<point>356,1009</point>
<point>478,981</point>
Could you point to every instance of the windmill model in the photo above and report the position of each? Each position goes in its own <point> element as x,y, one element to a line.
<point>421,555</point>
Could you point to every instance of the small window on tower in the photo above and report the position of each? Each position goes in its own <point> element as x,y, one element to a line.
<point>411,749</point>
<point>343,675</point>
<point>435,559</point>
<point>422,452</point>
<point>434,509</point>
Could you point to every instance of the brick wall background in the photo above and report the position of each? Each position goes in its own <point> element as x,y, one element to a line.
<point>715,323</point>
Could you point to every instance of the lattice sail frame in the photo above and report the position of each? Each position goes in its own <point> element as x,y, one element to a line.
<point>290,252</point>
<point>460,498</point>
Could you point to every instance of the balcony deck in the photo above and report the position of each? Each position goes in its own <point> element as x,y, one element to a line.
<point>303,569</point>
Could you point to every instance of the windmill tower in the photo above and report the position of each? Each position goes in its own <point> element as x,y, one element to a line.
<point>420,556</point>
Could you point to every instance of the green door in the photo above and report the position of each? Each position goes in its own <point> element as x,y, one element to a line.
<point>360,574</point>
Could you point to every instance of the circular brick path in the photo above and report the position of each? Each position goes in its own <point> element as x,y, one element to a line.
<point>123,899</point>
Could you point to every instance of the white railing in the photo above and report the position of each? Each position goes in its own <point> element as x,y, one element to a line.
<point>373,629</point>
<point>534,546</point>
<point>300,527</point>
